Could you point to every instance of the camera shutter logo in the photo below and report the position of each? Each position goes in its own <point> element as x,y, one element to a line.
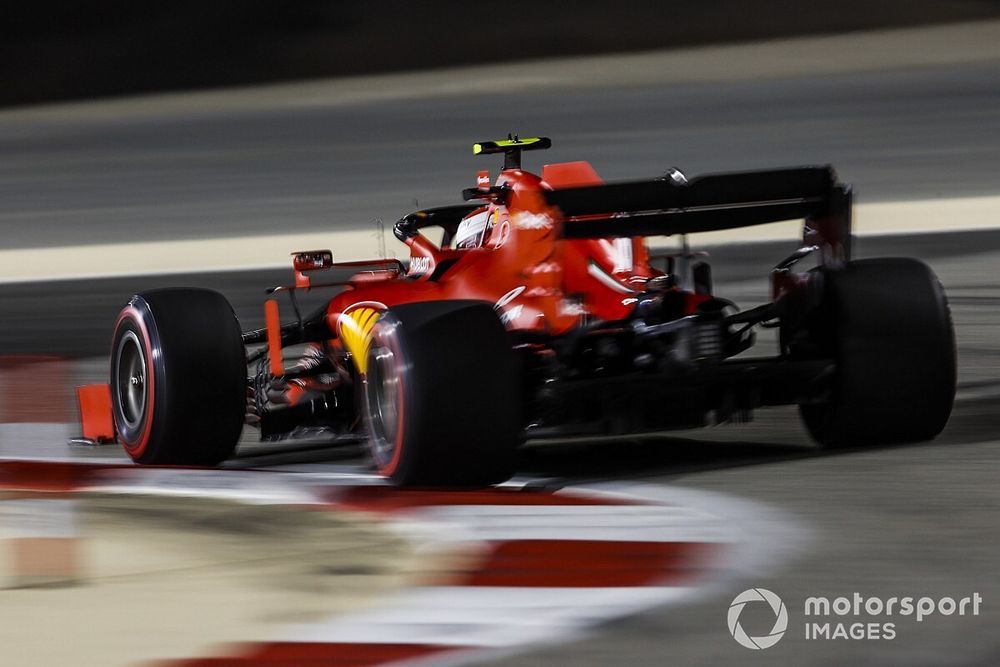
<point>780,620</point>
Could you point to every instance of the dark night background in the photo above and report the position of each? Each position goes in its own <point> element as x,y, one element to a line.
<point>52,50</point>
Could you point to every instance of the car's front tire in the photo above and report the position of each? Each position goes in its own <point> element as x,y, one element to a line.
<point>178,377</point>
<point>887,325</point>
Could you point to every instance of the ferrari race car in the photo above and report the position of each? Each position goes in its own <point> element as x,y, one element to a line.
<point>543,314</point>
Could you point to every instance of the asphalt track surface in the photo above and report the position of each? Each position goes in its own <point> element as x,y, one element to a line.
<point>912,520</point>
<point>907,134</point>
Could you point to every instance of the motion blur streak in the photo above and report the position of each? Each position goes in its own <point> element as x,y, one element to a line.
<point>268,251</point>
<point>33,389</point>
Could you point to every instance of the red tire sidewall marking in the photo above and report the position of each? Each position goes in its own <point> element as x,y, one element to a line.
<point>133,315</point>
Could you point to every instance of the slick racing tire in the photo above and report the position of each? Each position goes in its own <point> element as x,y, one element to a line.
<point>887,324</point>
<point>441,396</point>
<point>178,378</point>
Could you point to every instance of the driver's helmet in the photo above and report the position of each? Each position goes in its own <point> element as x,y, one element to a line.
<point>471,232</point>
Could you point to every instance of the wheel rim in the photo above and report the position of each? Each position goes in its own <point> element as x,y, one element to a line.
<point>384,394</point>
<point>131,380</point>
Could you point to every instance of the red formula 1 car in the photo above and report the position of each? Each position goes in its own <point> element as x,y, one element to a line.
<point>540,315</point>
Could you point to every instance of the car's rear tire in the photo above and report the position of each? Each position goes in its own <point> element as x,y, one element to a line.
<point>178,378</point>
<point>887,324</point>
<point>441,395</point>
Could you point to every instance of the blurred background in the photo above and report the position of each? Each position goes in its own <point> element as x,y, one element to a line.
<point>192,143</point>
<point>55,50</point>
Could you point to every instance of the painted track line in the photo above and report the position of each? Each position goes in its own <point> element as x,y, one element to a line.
<point>270,251</point>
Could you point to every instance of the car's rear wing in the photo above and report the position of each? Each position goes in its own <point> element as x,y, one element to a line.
<point>713,202</point>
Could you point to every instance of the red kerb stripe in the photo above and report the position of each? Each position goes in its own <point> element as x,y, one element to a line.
<point>590,563</point>
<point>302,654</point>
<point>386,499</point>
<point>50,475</point>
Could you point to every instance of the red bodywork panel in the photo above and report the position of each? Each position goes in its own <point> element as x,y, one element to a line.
<point>537,280</point>
<point>95,412</point>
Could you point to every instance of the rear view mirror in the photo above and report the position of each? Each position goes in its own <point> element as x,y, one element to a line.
<point>311,260</point>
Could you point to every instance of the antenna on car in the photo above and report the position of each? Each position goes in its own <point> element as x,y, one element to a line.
<point>380,237</point>
<point>511,148</point>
